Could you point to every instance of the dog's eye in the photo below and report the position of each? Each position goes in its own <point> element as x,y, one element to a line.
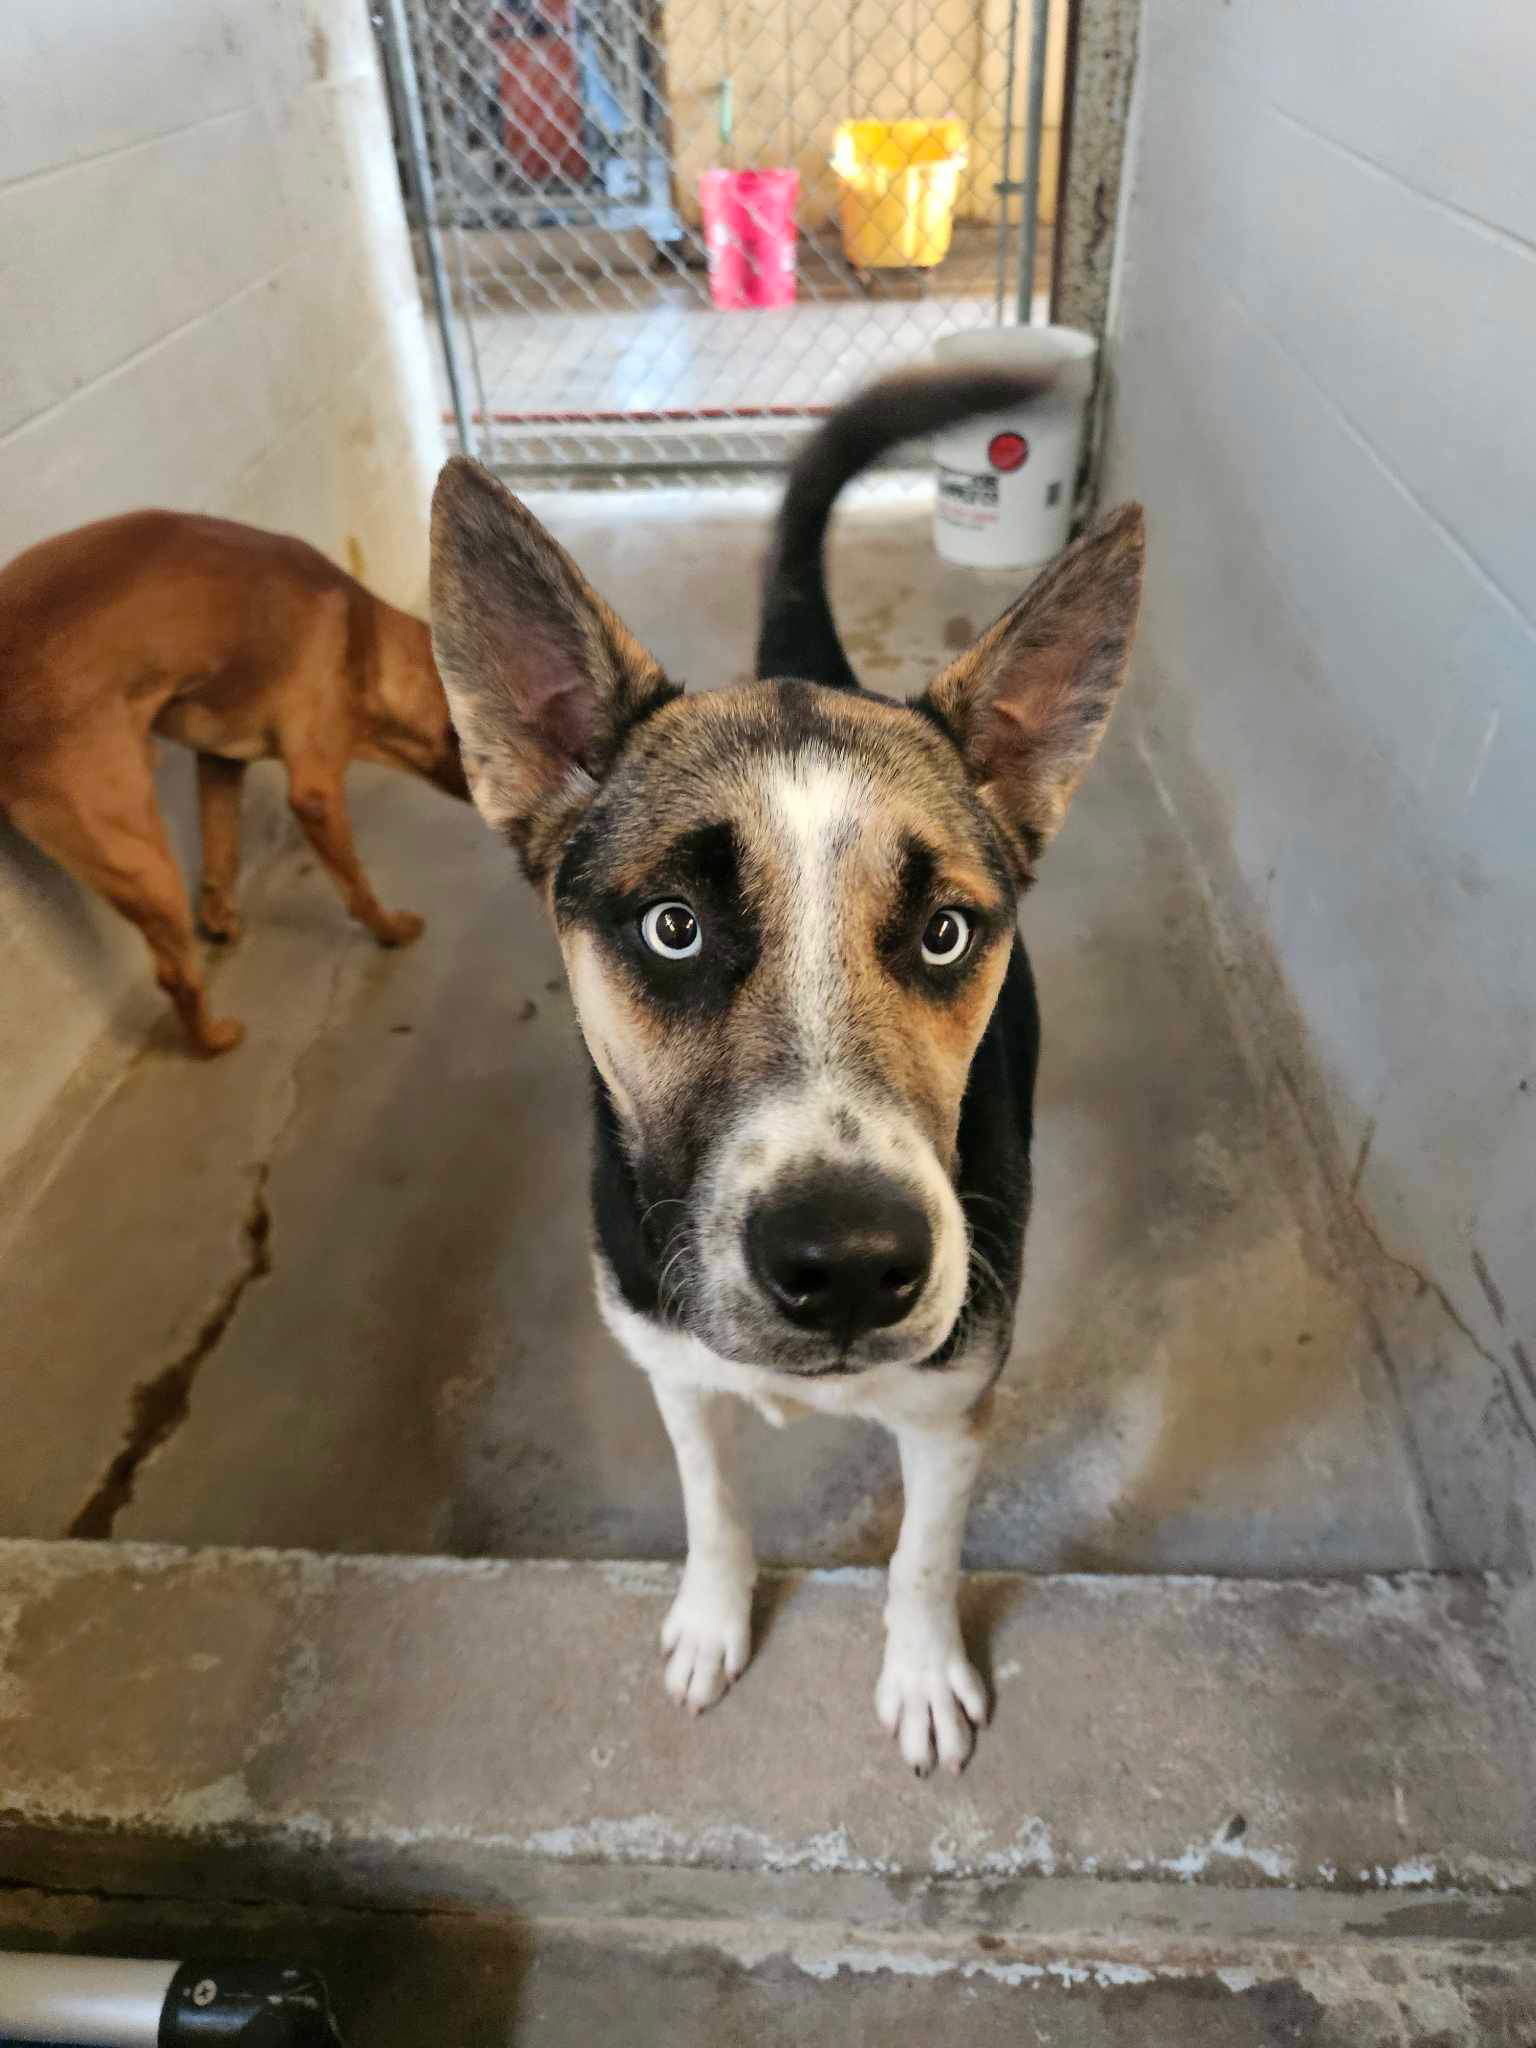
<point>946,938</point>
<point>672,930</point>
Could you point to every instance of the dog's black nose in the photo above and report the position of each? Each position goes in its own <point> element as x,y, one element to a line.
<point>840,1252</point>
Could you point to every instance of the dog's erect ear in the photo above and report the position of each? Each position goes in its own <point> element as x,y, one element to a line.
<point>1028,703</point>
<point>542,679</point>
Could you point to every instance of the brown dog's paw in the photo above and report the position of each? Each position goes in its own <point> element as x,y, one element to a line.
<point>219,1034</point>
<point>399,928</point>
<point>219,921</point>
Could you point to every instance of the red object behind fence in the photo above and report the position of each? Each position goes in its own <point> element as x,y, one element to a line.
<point>749,231</point>
<point>541,93</point>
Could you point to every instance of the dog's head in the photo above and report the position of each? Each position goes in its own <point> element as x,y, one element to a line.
<point>786,913</point>
<point>406,721</point>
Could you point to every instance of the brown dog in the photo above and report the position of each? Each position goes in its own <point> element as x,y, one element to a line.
<point>240,644</point>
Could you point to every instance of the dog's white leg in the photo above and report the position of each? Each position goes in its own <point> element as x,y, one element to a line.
<point>708,1634</point>
<point>929,1697</point>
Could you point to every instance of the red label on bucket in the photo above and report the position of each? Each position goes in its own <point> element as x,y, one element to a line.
<point>1007,452</point>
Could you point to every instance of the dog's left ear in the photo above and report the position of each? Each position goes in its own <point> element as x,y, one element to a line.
<point>542,678</point>
<point>1028,703</point>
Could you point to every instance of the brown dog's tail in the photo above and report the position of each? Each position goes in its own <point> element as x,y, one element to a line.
<point>798,637</point>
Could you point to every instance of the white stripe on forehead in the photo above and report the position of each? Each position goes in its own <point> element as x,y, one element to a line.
<point>814,802</point>
<point>815,794</point>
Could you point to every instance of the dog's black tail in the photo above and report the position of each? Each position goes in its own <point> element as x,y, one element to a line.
<point>798,637</point>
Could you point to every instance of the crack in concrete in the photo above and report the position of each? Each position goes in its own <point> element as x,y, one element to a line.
<point>20,1890</point>
<point>1361,1159</point>
<point>1263,1011</point>
<point>159,1406</point>
<point>1353,1214</point>
<point>1424,1283</point>
<point>1347,1216</point>
<point>1485,1280</point>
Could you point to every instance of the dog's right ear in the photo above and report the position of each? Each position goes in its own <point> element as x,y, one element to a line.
<point>542,678</point>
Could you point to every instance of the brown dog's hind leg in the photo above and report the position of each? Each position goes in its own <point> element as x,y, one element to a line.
<point>320,805</point>
<point>100,820</point>
<point>219,783</point>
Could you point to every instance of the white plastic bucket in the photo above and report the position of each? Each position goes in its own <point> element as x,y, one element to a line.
<point>1004,495</point>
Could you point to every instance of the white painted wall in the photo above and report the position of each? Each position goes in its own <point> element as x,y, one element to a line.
<point>1323,349</point>
<point>207,302</point>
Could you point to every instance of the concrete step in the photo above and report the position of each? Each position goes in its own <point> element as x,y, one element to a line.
<point>1208,1811</point>
<point>723,1958</point>
<point>422,1730</point>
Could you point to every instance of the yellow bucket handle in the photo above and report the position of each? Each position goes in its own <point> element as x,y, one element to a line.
<point>959,158</point>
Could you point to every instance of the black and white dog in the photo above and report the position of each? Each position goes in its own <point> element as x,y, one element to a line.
<point>787,912</point>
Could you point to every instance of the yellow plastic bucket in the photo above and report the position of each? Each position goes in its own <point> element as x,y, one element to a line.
<point>900,181</point>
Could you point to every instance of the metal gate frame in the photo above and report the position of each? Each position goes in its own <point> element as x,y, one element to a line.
<point>731,438</point>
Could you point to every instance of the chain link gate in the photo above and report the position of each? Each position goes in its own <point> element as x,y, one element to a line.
<point>554,154</point>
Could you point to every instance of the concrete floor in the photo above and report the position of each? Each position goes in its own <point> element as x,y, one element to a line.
<point>640,338</point>
<point>333,1291</point>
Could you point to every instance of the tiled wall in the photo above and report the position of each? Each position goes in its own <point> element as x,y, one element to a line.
<point>1323,390</point>
<point>207,302</point>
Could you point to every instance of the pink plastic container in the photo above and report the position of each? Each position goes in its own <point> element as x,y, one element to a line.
<point>749,231</point>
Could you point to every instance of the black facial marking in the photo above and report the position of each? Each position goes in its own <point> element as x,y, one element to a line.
<point>578,879</point>
<point>709,856</point>
<point>992,1176</point>
<point>914,895</point>
<point>618,1212</point>
<point>901,936</point>
<point>701,868</point>
<point>802,716</point>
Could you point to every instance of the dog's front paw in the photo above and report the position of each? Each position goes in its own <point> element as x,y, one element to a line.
<point>707,1636</point>
<point>218,919</point>
<point>215,1035</point>
<point>399,927</point>
<point>929,1696</point>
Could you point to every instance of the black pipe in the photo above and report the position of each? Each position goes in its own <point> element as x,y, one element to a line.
<point>264,2005</point>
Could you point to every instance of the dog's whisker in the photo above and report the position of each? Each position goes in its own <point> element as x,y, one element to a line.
<point>664,1202</point>
<point>983,1283</point>
<point>672,1280</point>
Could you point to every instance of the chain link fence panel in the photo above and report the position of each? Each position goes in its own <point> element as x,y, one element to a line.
<point>563,161</point>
